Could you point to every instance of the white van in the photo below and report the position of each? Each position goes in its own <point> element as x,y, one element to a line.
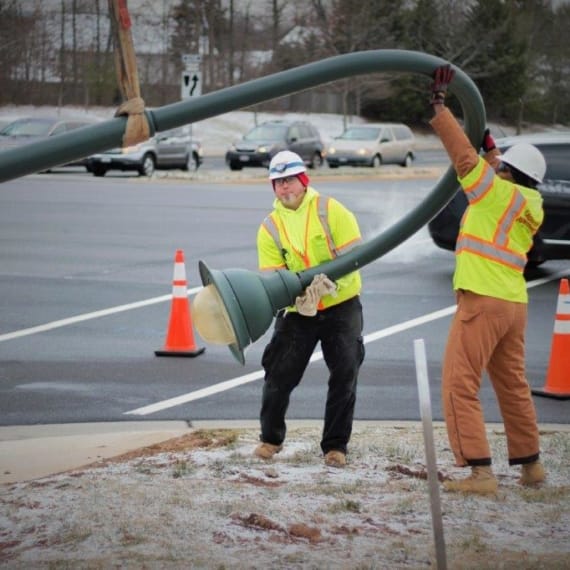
<point>372,144</point>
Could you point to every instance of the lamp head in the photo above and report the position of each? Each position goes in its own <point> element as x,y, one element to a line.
<point>237,306</point>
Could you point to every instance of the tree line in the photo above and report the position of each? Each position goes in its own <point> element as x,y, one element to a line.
<point>517,51</point>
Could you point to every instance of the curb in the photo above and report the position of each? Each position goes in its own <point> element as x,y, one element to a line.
<point>36,451</point>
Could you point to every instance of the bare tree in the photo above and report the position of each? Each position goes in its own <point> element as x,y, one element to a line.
<point>62,74</point>
<point>516,50</point>
<point>231,44</point>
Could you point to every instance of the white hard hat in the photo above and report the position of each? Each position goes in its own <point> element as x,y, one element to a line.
<point>527,159</point>
<point>286,163</point>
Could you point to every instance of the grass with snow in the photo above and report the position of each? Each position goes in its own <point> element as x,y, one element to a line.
<point>205,502</point>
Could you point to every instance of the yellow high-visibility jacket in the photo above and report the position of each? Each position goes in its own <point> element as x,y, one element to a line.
<point>498,226</point>
<point>319,230</point>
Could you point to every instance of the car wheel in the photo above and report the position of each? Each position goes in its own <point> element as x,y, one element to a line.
<point>376,161</point>
<point>235,166</point>
<point>98,170</point>
<point>316,161</point>
<point>191,164</point>
<point>148,165</point>
<point>408,161</point>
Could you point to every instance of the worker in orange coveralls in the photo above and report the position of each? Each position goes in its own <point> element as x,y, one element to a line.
<point>488,330</point>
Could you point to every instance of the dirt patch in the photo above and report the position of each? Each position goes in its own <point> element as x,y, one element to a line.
<point>200,439</point>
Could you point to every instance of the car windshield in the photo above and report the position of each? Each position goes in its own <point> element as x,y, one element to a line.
<point>361,134</point>
<point>267,133</point>
<point>27,128</point>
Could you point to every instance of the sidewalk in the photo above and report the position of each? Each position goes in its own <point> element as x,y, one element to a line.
<point>30,452</point>
<point>34,451</point>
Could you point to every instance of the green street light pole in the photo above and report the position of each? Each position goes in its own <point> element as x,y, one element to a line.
<point>65,148</point>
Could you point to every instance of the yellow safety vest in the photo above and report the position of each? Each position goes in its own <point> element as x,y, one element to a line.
<point>319,230</point>
<point>495,234</point>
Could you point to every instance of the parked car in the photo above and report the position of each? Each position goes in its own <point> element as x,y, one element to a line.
<point>31,129</point>
<point>372,145</point>
<point>4,122</point>
<point>553,238</point>
<point>175,148</point>
<point>263,142</point>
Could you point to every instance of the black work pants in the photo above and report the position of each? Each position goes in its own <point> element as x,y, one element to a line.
<point>285,358</point>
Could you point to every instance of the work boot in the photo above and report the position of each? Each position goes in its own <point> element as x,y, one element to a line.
<point>532,473</point>
<point>267,450</point>
<point>335,458</point>
<point>480,481</point>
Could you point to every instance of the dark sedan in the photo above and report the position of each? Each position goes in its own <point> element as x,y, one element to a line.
<point>263,142</point>
<point>553,239</point>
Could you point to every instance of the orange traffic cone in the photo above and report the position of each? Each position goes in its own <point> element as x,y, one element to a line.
<point>180,338</point>
<point>558,375</point>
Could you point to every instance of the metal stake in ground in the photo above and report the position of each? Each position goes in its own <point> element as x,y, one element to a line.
<point>433,483</point>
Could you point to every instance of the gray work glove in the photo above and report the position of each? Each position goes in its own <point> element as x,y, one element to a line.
<point>308,302</point>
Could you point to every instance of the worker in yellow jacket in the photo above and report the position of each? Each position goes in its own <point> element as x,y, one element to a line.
<point>304,230</point>
<point>488,330</point>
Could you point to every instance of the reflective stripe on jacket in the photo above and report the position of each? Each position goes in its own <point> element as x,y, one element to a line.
<point>323,213</point>
<point>495,234</point>
<point>319,230</point>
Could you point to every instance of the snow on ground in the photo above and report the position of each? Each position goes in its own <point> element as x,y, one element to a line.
<point>203,501</point>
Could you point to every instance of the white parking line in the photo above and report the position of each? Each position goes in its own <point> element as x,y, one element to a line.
<point>253,376</point>
<point>89,316</point>
<point>247,378</point>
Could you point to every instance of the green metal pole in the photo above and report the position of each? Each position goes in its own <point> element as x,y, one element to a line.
<point>389,238</point>
<point>68,147</point>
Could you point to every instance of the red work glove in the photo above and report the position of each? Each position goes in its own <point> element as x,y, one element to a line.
<point>488,143</point>
<point>442,77</point>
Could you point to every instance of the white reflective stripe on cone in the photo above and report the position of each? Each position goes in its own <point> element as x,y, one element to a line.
<point>563,306</point>
<point>179,272</point>
<point>562,318</point>
<point>179,291</point>
<point>561,326</point>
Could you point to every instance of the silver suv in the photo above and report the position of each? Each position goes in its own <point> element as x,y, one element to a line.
<point>170,149</point>
<point>372,145</point>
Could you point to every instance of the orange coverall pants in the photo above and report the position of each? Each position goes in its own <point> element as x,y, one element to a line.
<point>488,334</point>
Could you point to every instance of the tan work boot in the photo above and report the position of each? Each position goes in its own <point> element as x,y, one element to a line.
<point>335,458</point>
<point>267,450</point>
<point>480,481</point>
<point>532,473</point>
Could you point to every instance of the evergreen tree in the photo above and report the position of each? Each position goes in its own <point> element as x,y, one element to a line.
<point>500,68</point>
